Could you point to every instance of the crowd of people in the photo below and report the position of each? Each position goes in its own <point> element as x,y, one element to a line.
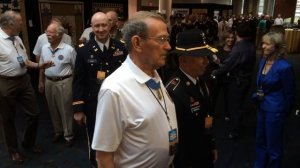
<point>147,90</point>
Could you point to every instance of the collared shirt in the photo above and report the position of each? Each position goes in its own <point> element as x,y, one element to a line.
<point>130,122</point>
<point>194,80</point>
<point>63,57</point>
<point>278,21</point>
<point>42,40</point>
<point>101,44</point>
<point>9,53</point>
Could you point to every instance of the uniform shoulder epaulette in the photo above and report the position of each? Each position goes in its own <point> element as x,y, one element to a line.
<point>81,45</point>
<point>172,85</point>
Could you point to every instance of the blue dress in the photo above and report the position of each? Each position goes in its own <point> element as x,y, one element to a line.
<point>278,86</point>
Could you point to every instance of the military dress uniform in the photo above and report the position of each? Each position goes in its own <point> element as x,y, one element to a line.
<point>193,104</point>
<point>92,66</point>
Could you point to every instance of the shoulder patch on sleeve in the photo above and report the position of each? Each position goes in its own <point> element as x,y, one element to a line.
<point>80,45</point>
<point>172,85</point>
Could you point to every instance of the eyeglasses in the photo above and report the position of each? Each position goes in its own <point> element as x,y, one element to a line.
<point>50,33</point>
<point>161,40</point>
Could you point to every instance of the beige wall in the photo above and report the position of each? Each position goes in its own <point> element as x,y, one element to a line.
<point>132,7</point>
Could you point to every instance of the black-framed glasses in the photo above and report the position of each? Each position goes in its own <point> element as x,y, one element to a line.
<point>161,39</point>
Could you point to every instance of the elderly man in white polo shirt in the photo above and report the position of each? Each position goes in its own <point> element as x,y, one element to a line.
<point>42,40</point>
<point>15,87</point>
<point>136,122</point>
<point>58,84</point>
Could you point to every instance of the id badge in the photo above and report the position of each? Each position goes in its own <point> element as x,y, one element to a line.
<point>173,141</point>
<point>260,94</point>
<point>100,76</point>
<point>208,121</point>
<point>21,61</point>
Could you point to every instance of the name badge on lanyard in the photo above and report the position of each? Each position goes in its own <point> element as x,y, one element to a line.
<point>21,61</point>
<point>173,141</point>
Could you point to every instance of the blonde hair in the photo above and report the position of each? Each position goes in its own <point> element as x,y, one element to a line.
<point>277,39</point>
<point>226,35</point>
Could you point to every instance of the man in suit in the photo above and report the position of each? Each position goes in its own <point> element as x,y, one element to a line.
<point>95,60</point>
<point>193,102</point>
<point>239,65</point>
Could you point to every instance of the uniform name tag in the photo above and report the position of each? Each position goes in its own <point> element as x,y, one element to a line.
<point>173,141</point>
<point>208,122</point>
<point>101,75</point>
<point>260,94</point>
<point>92,61</point>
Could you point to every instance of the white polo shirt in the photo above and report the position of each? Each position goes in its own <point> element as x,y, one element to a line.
<point>42,40</point>
<point>130,122</point>
<point>63,59</point>
<point>278,21</point>
<point>9,52</point>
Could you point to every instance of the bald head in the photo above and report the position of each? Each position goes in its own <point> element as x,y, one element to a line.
<point>101,26</point>
<point>99,16</point>
<point>113,19</point>
<point>112,16</point>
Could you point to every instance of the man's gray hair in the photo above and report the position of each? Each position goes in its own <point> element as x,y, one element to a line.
<point>8,18</point>
<point>60,30</point>
<point>136,25</point>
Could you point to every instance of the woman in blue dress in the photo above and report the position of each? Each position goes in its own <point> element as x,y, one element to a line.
<point>275,97</point>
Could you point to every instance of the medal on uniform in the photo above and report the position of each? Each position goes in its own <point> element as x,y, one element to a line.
<point>155,86</point>
<point>173,141</point>
<point>53,52</point>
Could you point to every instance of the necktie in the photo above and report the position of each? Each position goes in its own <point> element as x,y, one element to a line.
<point>152,84</point>
<point>104,48</point>
<point>203,89</point>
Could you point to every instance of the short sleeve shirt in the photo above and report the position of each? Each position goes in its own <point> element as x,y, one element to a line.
<point>63,58</point>
<point>10,52</point>
<point>130,122</point>
<point>42,40</point>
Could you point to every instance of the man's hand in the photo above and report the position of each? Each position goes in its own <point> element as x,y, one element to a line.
<point>46,64</point>
<point>80,118</point>
<point>215,155</point>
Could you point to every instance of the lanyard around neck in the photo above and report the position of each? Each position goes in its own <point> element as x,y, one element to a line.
<point>164,108</point>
